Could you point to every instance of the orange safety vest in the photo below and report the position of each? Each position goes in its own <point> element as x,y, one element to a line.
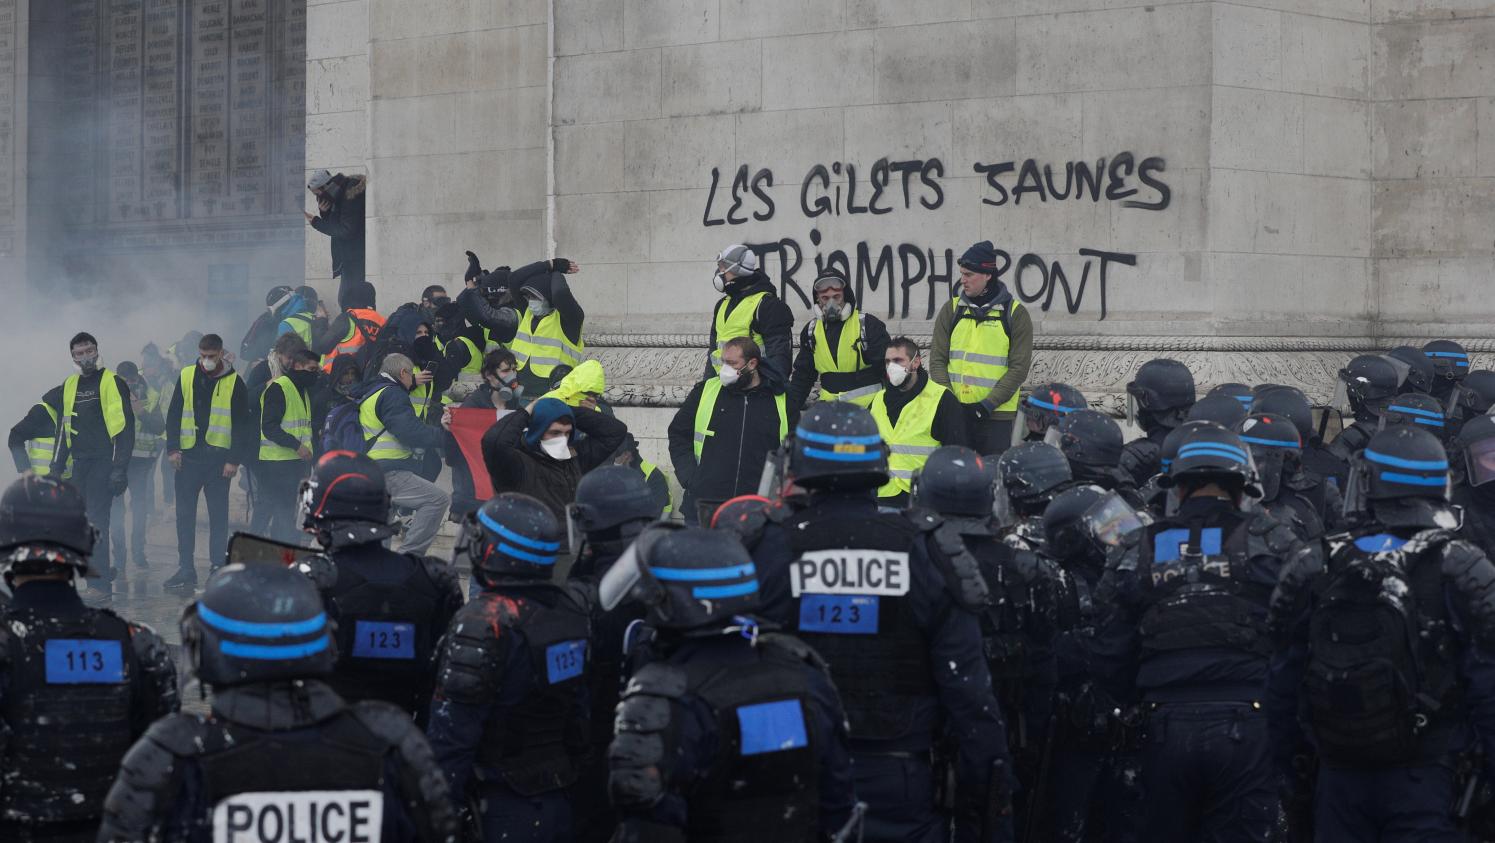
<point>365,328</point>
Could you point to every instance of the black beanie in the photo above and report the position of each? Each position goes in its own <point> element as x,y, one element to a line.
<point>981,257</point>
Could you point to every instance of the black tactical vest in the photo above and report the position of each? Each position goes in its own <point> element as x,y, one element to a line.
<point>1020,622</point>
<point>385,637</point>
<point>534,744</point>
<point>879,657</point>
<point>68,713</point>
<point>765,782</point>
<point>1199,591</point>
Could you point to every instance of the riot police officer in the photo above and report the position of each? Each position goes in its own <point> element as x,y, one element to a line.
<point>1421,410</point>
<point>1277,453</point>
<point>1473,467</point>
<point>390,608</point>
<point>1090,786</point>
<point>1472,397</point>
<point>1319,461</point>
<point>1450,365</point>
<point>613,505</point>
<point>1028,477</point>
<point>1366,387</point>
<point>1239,391</point>
<point>862,587</point>
<point>1041,409</point>
<point>1158,400</point>
<point>1224,410</point>
<point>77,685</point>
<point>1378,630</point>
<point>281,753</point>
<point>1091,441</point>
<point>1186,635</point>
<point>509,719</point>
<point>729,732</point>
<point>1421,373</point>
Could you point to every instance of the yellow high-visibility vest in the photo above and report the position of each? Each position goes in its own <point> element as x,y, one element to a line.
<point>111,402</point>
<point>911,440</point>
<point>543,345</point>
<point>978,354</point>
<point>847,358</point>
<point>148,444</point>
<point>734,322</point>
<point>386,446</point>
<point>709,394</point>
<point>296,422</point>
<point>221,421</point>
<point>42,450</point>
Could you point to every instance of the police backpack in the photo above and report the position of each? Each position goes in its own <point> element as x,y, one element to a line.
<point>1374,675</point>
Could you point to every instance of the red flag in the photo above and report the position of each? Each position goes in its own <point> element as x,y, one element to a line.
<point>468,426</point>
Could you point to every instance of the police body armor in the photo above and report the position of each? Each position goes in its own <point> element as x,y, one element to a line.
<point>865,627</point>
<point>534,747</point>
<point>71,682</point>
<point>1199,591</point>
<point>384,637</point>
<point>764,783</point>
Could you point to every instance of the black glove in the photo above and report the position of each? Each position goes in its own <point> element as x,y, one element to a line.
<point>118,483</point>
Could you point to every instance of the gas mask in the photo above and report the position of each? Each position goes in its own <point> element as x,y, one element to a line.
<point>88,363</point>
<point>556,447</point>
<point>897,374</point>
<point>719,281</point>
<point>835,311</point>
<point>539,307</point>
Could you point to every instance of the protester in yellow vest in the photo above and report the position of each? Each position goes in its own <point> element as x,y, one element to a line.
<point>285,448</point>
<point>150,427</point>
<point>915,416</point>
<point>722,434</point>
<point>92,425</point>
<point>841,348</point>
<point>550,324</point>
<point>982,349</point>
<point>749,308</point>
<point>460,371</point>
<point>209,434</point>
<point>301,318</point>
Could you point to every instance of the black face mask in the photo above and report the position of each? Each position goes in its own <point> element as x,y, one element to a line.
<point>302,380</point>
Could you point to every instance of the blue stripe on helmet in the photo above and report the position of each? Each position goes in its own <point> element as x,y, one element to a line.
<point>1211,452</point>
<point>512,536</point>
<point>831,439</point>
<point>835,456</point>
<point>1274,443</point>
<point>252,629</point>
<point>275,652</point>
<point>1429,422</point>
<point>1413,479</point>
<point>1224,446</point>
<point>1244,399</point>
<point>716,591</point>
<point>730,572</point>
<point>1415,411</point>
<point>1058,408</point>
<point>1397,462</point>
<point>1212,449</point>
<point>1461,362</point>
<point>1452,355</point>
<point>520,553</point>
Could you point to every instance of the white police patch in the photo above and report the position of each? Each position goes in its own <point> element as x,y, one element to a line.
<point>855,571</point>
<point>323,816</point>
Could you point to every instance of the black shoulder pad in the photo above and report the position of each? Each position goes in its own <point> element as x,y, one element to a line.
<point>420,771</point>
<point>582,596</point>
<point>795,648</point>
<point>444,574</point>
<point>470,670</point>
<point>657,679</point>
<point>320,569</point>
<point>1472,575</point>
<point>183,735</point>
<point>964,574</point>
<point>141,796</point>
<point>1294,587</point>
<point>387,721</point>
<point>1278,538</point>
<point>1126,555</point>
<point>924,520</point>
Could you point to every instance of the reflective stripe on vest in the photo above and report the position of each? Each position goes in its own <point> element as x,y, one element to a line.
<point>709,393</point>
<point>847,359</point>
<point>296,422</point>
<point>41,451</point>
<point>910,441</point>
<point>648,468</point>
<point>111,404</point>
<point>978,355</point>
<point>738,322</point>
<point>386,445</point>
<point>540,348</point>
<point>301,326</point>
<point>147,444</point>
<point>355,338</point>
<point>420,396</point>
<point>221,420</point>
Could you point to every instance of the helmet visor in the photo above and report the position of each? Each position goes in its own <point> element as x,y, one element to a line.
<point>1479,460</point>
<point>246,549</point>
<point>1402,367</point>
<point>1131,409</point>
<point>1340,403</point>
<point>1001,505</point>
<point>630,575</point>
<point>573,528</point>
<point>1053,437</point>
<point>1110,518</point>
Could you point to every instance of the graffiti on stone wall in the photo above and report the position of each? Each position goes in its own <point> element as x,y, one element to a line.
<point>910,275</point>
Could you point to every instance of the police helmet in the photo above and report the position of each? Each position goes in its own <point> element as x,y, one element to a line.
<point>1275,447</point>
<point>44,524</point>
<point>1042,409</point>
<point>1450,360</point>
<point>511,536</point>
<point>612,496</point>
<point>1420,372</point>
<point>1477,441</point>
<point>1239,391</point>
<point>1416,408</point>
<point>837,446</point>
<point>1162,392</point>
<point>955,481</point>
<point>744,515</point>
<point>345,500</point>
<point>1030,474</point>
<point>1369,383</point>
<point>1090,438</point>
<point>257,623</point>
<point>1288,402</point>
<point>1064,533</point>
<point>1402,479</point>
<point>688,577</point>
<point>1223,410</point>
<point>1208,453</point>
<point>1474,396</point>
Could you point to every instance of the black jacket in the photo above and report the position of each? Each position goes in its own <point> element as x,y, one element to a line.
<point>773,321</point>
<point>745,428</point>
<point>874,349</point>
<point>514,466</point>
<point>245,437</point>
<point>92,439</point>
<point>949,425</point>
<point>343,222</point>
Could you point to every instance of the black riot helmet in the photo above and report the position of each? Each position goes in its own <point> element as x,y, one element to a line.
<point>43,526</point>
<point>1474,396</point>
<point>1420,372</point>
<point>1419,409</point>
<point>1239,391</point>
<point>744,515</point>
<point>1368,384</point>
<point>511,537</point>
<point>1401,479</point>
<point>613,503</point>
<point>1450,364</point>
<point>1208,453</point>
<point>690,578</point>
<point>257,622</point>
<point>1030,475</point>
<point>1276,449</point>
<point>1288,402</point>
<point>1161,394</point>
<point>837,446</point>
<point>1042,409</point>
<point>1224,410</point>
<point>1064,533</point>
<point>1477,442</point>
<point>345,500</point>
<point>955,481</point>
<point>1090,438</point>
<point>277,295</point>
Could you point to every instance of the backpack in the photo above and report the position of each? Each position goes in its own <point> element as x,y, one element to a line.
<point>343,431</point>
<point>1369,688</point>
